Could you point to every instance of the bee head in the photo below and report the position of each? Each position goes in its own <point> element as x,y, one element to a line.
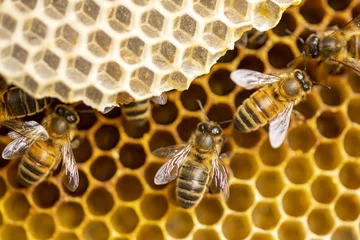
<point>210,133</point>
<point>303,79</point>
<point>209,128</point>
<point>312,46</point>
<point>67,113</point>
<point>58,125</point>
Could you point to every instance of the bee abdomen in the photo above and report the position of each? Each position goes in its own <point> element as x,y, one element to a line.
<point>137,110</point>
<point>353,47</point>
<point>191,184</point>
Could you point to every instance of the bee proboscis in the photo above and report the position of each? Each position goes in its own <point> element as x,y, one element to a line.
<point>42,147</point>
<point>195,164</point>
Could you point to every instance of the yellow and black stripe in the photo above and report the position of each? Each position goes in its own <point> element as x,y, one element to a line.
<point>353,47</point>
<point>136,111</point>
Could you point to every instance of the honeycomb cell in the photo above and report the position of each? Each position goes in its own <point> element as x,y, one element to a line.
<point>334,96</point>
<point>339,6</point>
<point>236,10</point>
<point>56,8</point>
<point>103,168</point>
<point>99,43</point>
<point>269,184</point>
<point>78,69</point>
<point>312,12</point>
<point>87,11</point>
<point>347,207</point>
<point>172,5</point>
<point>107,137</point>
<point>206,234</point>
<point>265,215</point>
<point>46,222</point>
<point>99,201</point>
<point>150,232</point>
<point>93,94</point>
<point>241,197</point>
<point>14,57</point>
<point>83,185</point>
<point>10,232</point>
<point>179,224</point>
<point>280,55</point>
<point>184,28</point>
<point>324,189</point>
<point>292,230</point>
<point>17,206</point>
<point>351,142</point>
<point>309,107</point>
<point>350,175</point>
<point>204,8</point>
<point>353,109</point>
<point>194,60</point>
<point>296,202</point>
<point>129,188</point>
<point>287,22</point>
<point>229,56</point>
<point>96,229</point>
<point>215,34</point>
<point>244,165</point>
<point>220,82</point>
<point>262,236</point>
<point>186,127</point>
<point>175,79</point>
<point>2,187</point>
<point>45,195</point>
<point>320,221</point>
<point>132,156</point>
<point>153,206</point>
<point>46,64</point>
<point>152,23</point>
<point>355,11</point>
<point>35,31</point>
<point>236,227</point>
<point>270,18</point>
<point>270,156</point>
<point>70,214</point>
<point>124,220</point>
<point>141,80</point>
<point>11,174</point>
<point>302,138</point>
<point>209,211</point>
<point>252,62</point>
<point>246,140</point>
<point>165,114</point>
<point>66,235</point>
<point>66,38</point>
<point>150,172</point>
<point>219,113</point>
<point>137,132</point>
<point>163,54</point>
<point>7,25</point>
<point>131,50</point>
<point>299,170</point>
<point>83,152</point>
<point>189,97</point>
<point>344,232</point>
<point>161,139</point>
<point>328,156</point>
<point>120,18</point>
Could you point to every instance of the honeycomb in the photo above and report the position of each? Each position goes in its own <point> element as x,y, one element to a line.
<point>105,52</point>
<point>306,189</point>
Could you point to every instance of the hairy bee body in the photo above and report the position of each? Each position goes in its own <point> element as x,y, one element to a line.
<point>137,112</point>
<point>194,178</point>
<point>353,46</point>
<point>15,103</point>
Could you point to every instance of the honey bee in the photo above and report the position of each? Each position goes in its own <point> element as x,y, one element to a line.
<point>139,112</point>
<point>337,46</point>
<point>15,103</point>
<point>42,147</point>
<point>195,164</point>
<point>272,103</point>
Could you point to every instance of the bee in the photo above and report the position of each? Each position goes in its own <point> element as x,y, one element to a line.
<point>252,39</point>
<point>15,103</point>
<point>139,112</point>
<point>42,147</point>
<point>336,47</point>
<point>272,103</point>
<point>195,164</point>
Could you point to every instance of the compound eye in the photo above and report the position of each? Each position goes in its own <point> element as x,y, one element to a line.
<point>202,127</point>
<point>71,118</point>
<point>299,75</point>
<point>216,131</point>
<point>306,87</point>
<point>60,111</point>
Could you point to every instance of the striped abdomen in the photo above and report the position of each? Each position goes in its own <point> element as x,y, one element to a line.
<point>256,111</point>
<point>16,104</point>
<point>136,111</point>
<point>353,47</point>
<point>39,160</point>
<point>191,183</point>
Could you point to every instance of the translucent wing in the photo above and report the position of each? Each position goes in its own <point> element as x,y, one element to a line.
<point>220,175</point>
<point>351,28</point>
<point>71,176</point>
<point>107,110</point>
<point>352,63</point>
<point>242,42</point>
<point>170,169</point>
<point>169,151</point>
<point>161,100</point>
<point>16,148</point>
<point>249,79</point>
<point>279,126</point>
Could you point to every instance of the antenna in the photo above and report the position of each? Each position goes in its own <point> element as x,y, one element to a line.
<point>320,84</point>
<point>203,110</point>
<point>302,54</point>
<point>297,37</point>
<point>226,121</point>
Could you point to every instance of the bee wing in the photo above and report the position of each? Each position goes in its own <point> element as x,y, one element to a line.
<point>249,79</point>
<point>221,175</point>
<point>161,99</point>
<point>16,148</point>
<point>107,110</point>
<point>170,169</point>
<point>352,63</point>
<point>351,28</point>
<point>279,126</point>
<point>242,42</point>
<point>71,177</point>
<point>169,151</point>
